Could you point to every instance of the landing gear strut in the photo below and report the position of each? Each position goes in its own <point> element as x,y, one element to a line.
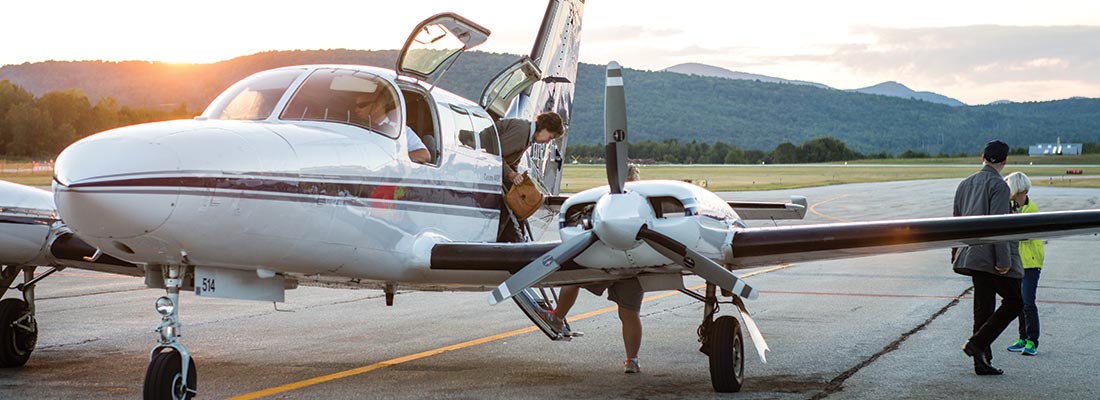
<point>723,343</point>
<point>18,328</point>
<point>171,373</point>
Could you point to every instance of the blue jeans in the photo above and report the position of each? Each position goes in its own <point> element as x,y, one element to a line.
<point>1029,316</point>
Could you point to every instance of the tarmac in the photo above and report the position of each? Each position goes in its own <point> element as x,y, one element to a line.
<point>888,326</point>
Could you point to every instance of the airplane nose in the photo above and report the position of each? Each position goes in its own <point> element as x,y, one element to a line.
<point>113,186</point>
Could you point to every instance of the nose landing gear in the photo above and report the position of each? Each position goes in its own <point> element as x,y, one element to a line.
<point>721,340</point>
<point>171,373</point>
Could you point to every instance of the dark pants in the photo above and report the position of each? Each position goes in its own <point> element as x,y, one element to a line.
<point>1029,317</point>
<point>988,324</point>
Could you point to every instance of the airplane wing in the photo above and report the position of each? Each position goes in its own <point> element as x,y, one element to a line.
<point>753,247</point>
<point>796,209</point>
<point>775,245</point>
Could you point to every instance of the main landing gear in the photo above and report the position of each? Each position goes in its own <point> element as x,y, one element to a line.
<point>18,328</point>
<point>722,342</point>
<point>171,373</point>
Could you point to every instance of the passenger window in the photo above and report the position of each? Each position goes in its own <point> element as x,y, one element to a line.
<point>487,132</point>
<point>465,128</point>
<point>347,96</point>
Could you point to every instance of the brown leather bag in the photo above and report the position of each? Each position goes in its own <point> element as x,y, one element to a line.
<point>523,199</point>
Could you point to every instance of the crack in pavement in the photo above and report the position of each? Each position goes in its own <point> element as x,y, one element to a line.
<point>837,384</point>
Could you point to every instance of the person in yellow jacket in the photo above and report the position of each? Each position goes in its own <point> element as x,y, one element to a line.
<point>1031,256</point>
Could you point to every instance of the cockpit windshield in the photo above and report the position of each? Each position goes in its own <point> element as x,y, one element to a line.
<point>253,98</point>
<point>347,96</point>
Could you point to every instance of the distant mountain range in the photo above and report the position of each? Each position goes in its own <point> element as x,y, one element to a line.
<point>753,113</point>
<point>892,89</point>
<point>719,72</point>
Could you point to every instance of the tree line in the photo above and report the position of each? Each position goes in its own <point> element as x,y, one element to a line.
<point>824,149</point>
<point>660,105</point>
<point>40,127</point>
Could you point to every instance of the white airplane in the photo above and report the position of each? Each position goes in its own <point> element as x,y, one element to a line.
<point>279,184</point>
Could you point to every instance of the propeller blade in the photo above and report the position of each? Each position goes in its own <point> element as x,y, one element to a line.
<point>614,112</point>
<point>754,331</point>
<point>697,263</point>
<point>541,267</point>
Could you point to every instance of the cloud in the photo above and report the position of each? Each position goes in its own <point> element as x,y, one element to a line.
<point>627,32</point>
<point>980,53</point>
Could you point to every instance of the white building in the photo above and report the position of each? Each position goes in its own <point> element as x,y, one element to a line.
<point>1054,149</point>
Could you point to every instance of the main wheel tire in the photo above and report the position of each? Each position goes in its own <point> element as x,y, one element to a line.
<point>16,343</point>
<point>164,380</point>
<point>727,355</point>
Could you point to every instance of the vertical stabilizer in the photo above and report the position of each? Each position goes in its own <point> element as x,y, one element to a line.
<point>555,52</point>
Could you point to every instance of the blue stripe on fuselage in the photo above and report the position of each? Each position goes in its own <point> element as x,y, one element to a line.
<point>428,199</point>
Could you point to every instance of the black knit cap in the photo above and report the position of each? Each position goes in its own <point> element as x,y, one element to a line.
<point>995,152</point>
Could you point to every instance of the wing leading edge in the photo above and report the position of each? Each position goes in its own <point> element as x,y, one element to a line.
<point>774,245</point>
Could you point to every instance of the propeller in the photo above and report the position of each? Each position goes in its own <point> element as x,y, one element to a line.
<point>541,267</point>
<point>620,220</point>
<point>699,264</point>
<point>615,132</point>
<point>614,128</point>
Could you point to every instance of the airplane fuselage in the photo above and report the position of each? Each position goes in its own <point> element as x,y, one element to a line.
<point>304,196</point>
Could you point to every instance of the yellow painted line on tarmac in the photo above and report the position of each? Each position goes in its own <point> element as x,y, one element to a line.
<point>813,209</point>
<point>440,350</point>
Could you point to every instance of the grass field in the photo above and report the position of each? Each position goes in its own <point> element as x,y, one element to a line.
<point>25,172</point>
<point>767,177</point>
<point>578,177</point>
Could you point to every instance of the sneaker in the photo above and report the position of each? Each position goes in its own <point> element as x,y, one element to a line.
<point>630,366</point>
<point>1031,348</point>
<point>551,319</point>
<point>569,332</point>
<point>1018,346</point>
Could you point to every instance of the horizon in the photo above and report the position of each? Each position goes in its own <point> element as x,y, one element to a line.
<point>978,53</point>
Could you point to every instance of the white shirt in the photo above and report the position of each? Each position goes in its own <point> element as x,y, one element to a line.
<point>413,140</point>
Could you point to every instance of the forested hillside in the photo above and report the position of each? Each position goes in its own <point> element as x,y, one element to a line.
<point>661,105</point>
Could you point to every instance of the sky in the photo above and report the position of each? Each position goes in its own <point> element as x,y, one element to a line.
<point>974,51</point>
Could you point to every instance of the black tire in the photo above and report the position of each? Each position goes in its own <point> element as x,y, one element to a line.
<point>164,380</point>
<point>16,344</point>
<point>727,355</point>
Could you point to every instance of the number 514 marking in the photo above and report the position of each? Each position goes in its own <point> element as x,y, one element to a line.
<point>207,285</point>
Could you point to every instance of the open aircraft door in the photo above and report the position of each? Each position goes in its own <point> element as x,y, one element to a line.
<point>435,43</point>
<point>503,88</point>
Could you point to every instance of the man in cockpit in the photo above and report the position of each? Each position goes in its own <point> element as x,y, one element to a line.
<point>379,112</point>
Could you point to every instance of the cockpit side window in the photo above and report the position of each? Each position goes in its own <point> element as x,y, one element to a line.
<point>253,98</point>
<point>487,132</point>
<point>347,96</point>
<point>465,128</point>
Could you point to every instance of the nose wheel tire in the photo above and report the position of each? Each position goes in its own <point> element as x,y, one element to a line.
<point>164,378</point>
<point>727,355</point>
<point>18,335</point>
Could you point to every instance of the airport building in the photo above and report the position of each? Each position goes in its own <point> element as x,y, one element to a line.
<point>1054,149</point>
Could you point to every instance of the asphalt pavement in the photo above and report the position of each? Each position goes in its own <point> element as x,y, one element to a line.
<point>889,326</point>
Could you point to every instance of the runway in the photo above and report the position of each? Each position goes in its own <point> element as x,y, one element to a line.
<point>889,326</point>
